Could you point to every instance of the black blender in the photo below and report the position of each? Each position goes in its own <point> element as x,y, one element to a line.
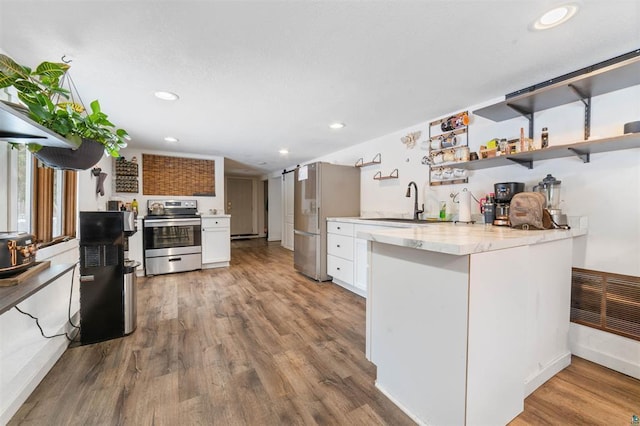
<point>504,192</point>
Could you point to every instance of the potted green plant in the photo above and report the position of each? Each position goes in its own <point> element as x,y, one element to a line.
<point>47,102</point>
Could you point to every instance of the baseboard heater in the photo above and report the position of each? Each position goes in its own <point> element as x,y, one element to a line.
<point>606,301</point>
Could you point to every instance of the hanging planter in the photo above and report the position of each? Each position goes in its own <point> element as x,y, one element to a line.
<point>82,158</point>
<point>42,91</point>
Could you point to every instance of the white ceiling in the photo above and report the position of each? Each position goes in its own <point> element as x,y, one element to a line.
<point>255,77</point>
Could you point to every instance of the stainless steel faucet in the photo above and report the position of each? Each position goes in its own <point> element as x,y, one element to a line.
<point>416,212</point>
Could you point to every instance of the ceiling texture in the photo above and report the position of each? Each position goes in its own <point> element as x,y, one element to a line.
<point>255,77</point>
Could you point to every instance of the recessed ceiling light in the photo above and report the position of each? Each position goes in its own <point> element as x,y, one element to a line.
<point>284,151</point>
<point>171,139</point>
<point>556,16</point>
<point>166,96</point>
<point>336,125</point>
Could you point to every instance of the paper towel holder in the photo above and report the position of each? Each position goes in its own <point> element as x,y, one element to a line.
<point>454,196</point>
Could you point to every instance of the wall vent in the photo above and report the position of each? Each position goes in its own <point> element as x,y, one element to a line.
<point>609,302</point>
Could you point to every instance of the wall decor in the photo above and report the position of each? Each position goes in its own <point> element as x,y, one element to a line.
<point>126,175</point>
<point>410,139</point>
<point>164,175</point>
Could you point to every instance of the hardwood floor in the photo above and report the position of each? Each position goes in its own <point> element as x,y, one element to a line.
<point>258,344</point>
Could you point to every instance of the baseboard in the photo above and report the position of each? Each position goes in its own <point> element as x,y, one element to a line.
<point>351,288</point>
<point>399,405</point>
<point>554,367</point>
<point>607,360</point>
<point>215,265</point>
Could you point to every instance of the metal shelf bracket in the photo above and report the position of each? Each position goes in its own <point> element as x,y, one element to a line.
<point>526,114</point>
<point>584,156</point>
<point>586,100</point>
<point>524,163</point>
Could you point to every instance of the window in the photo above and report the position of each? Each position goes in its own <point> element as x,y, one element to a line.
<point>45,202</point>
<point>24,190</point>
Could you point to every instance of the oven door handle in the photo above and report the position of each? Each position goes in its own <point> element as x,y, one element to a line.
<point>155,223</point>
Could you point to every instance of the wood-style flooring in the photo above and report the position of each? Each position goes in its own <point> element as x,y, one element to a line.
<point>259,344</point>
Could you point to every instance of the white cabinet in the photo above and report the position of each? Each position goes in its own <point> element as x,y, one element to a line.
<point>340,255</point>
<point>216,241</point>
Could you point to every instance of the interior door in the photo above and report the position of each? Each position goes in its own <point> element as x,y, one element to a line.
<point>240,205</point>
<point>287,206</point>
<point>274,214</point>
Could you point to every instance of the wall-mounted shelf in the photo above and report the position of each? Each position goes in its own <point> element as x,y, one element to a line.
<point>392,175</point>
<point>582,150</point>
<point>449,181</point>
<point>447,156</point>
<point>18,128</point>
<point>126,175</point>
<point>605,77</point>
<point>376,160</point>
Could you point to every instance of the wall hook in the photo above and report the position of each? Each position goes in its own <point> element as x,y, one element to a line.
<point>96,171</point>
<point>66,61</point>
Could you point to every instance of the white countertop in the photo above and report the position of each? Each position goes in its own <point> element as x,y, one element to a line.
<point>381,221</point>
<point>207,215</point>
<point>463,239</point>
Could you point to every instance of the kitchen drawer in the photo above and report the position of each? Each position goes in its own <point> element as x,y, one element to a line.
<point>215,222</point>
<point>340,269</point>
<point>341,228</point>
<point>340,245</point>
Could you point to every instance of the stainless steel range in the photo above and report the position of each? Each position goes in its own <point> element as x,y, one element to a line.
<point>172,237</point>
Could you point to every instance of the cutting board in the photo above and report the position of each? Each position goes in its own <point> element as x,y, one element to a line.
<point>25,275</point>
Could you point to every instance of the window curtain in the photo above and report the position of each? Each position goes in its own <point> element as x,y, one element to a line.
<point>70,203</point>
<point>42,202</point>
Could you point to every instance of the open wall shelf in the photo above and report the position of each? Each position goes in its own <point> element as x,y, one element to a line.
<point>605,77</point>
<point>582,150</point>
<point>376,160</point>
<point>392,175</point>
<point>18,128</point>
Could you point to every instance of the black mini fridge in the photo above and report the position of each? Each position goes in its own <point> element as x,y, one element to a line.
<point>107,279</point>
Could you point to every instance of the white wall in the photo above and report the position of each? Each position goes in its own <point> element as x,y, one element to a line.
<point>606,191</point>
<point>95,202</point>
<point>25,356</point>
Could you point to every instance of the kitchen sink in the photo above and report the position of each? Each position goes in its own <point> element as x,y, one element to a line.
<point>404,220</point>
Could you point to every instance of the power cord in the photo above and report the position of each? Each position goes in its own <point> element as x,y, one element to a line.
<point>40,327</point>
<point>73,272</point>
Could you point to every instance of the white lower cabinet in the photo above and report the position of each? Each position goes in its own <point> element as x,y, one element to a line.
<point>340,252</point>
<point>216,241</point>
<point>347,255</point>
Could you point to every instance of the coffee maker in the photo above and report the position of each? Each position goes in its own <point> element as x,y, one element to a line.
<point>504,192</point>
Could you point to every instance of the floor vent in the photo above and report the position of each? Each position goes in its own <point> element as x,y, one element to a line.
<point>609,302</point>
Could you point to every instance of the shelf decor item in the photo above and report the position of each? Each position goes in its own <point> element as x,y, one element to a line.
<point>48,103</point>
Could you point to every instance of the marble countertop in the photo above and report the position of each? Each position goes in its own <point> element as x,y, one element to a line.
<point>383,222</point>
<point>464,239</point>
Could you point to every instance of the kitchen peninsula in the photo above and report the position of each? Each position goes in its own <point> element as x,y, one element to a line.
<point>464,321</point>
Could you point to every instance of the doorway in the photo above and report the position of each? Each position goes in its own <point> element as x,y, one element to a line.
<point>240,200</point>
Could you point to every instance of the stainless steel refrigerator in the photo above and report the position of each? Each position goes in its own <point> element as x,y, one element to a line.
<point>322,190</point>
